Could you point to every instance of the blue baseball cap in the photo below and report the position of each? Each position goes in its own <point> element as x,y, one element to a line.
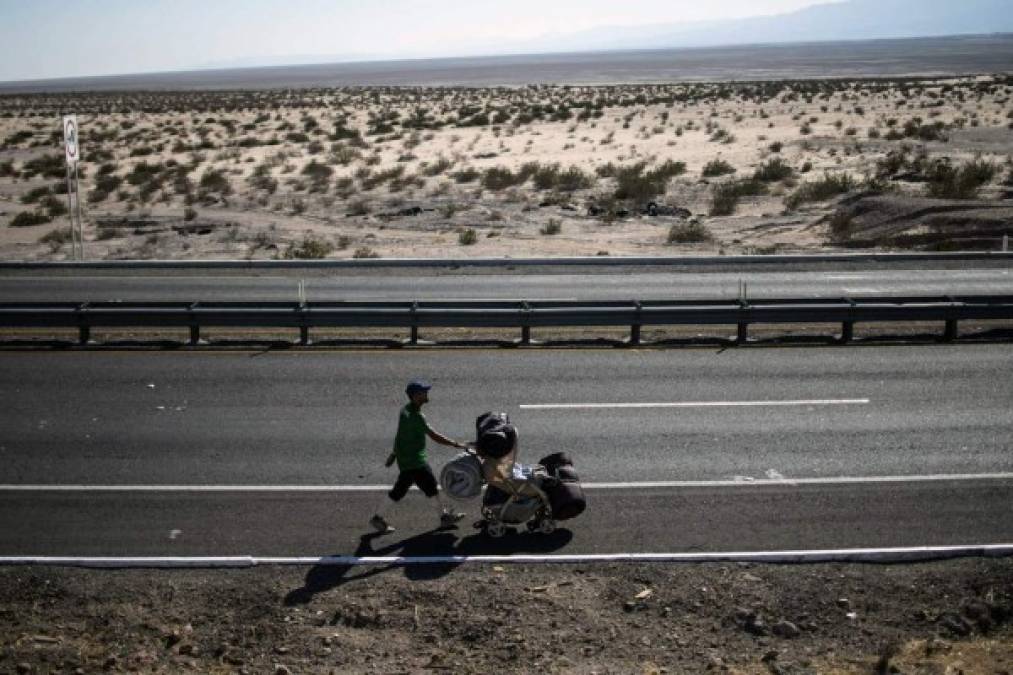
<point>417,386</point>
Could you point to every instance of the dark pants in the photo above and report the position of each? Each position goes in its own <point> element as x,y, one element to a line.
<point>423,477</point>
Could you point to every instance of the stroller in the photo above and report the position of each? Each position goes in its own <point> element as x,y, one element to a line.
<point>536,496</point>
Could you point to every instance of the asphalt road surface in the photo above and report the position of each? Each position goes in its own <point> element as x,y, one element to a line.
<point>405,285</point>
<point>781,448</point>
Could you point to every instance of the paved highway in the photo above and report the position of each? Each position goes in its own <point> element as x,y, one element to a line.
<point>741,424</point>
<point>405,285</point>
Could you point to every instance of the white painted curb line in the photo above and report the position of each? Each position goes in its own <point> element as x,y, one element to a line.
<point>859,555</point>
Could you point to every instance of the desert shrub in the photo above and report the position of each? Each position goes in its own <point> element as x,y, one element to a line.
<point>840,227</point>
<point>554,226</point>
<point>552,177</point>
<point>608,170</point>
<point>344,187</point>
<point>49,166</point>
<point>297,137</point>
<point>7,169</point>
<point>359,207</point>
<point>772,171</point>
<point>914,128</point>
<point>343,155</point>
<point>18,137</point>
<point>310,248</point>
<point>776,147</point>
<point>893,163</point>
<point>317,172</point>
<point>374,180</point>
<point>478,120</point>
<point>499,178</point>
<point>949,182</point>
<point>692,232</point>
<point>144,173</point>
<point>215,181</point>
<point>29,218</point>
<point>466,175</point>
<point>35,194</point>
<point>636,184</point>
<point>105,184</point>
<point>54,206</point>
<point>820,190</point>
<point>725,197</point>
<point>343,133</point>
<point>365,252</point>
<point>57,238</point>
<point>467,237</point>
<point>189,213</point>
<point>573,179</point>
<point>668,169</point>
<point>546,176</point>
<point>717,167</point>
<point>261,179</point>
<point>437,167</point>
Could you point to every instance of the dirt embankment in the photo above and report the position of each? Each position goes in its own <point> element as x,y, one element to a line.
<point>945,617</point>
<point>895,221</point>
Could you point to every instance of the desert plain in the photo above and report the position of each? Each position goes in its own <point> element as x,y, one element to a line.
<point>543,170</point>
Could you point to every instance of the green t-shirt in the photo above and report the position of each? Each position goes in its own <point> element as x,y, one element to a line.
<point>410,441</point>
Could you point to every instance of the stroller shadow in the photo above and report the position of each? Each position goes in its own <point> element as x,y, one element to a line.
<point>323,578</point>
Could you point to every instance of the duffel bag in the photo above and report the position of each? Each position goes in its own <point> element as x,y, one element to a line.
<point>567,499</point>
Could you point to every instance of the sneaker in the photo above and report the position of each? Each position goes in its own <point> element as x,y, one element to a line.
<point>449,518</point>
<point>380,525</point>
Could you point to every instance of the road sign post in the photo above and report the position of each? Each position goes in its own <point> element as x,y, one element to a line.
<point>73,153</point>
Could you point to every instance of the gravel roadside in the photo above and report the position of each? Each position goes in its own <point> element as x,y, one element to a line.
<point>941,617</point>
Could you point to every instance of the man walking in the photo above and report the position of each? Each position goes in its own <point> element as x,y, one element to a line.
<point>412,461</point>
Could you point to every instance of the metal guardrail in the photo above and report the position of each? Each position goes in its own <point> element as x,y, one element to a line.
<point>478,262</point>
<point>503,314</point>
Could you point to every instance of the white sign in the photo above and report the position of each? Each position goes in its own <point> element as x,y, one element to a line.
<point>70,139</point>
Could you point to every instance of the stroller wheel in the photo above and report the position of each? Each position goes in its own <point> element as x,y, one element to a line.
<point>495,528</point>
<point>547,526</point>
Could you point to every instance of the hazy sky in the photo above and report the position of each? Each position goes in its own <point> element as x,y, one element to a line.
<point>62,38</point>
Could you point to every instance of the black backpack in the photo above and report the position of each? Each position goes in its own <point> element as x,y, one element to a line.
<point>494,435</point>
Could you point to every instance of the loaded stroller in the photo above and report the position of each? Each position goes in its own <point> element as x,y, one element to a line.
<point>537,496</point>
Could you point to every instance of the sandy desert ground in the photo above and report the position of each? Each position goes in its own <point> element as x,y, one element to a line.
<point>677,169</point>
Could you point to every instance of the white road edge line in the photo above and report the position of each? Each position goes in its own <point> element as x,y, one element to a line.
<point>904,554</point>
<point>738,483</point>
<point>695,404</point>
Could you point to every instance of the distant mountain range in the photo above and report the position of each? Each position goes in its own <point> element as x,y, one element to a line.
<point>848,20</point>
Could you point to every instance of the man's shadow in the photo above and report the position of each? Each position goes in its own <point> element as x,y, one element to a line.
<point>434,543</point>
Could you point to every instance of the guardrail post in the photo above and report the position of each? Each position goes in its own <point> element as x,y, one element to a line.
<point>742,334</point>
<point>525,325</point>
<point>635,328</point>
<point>848,327</point>
<point>413,338</point>
<point>83,328</point>
<point>950,334</point>
<point>304,329</point>
<point>194,326</point>
<point>847,332</point>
